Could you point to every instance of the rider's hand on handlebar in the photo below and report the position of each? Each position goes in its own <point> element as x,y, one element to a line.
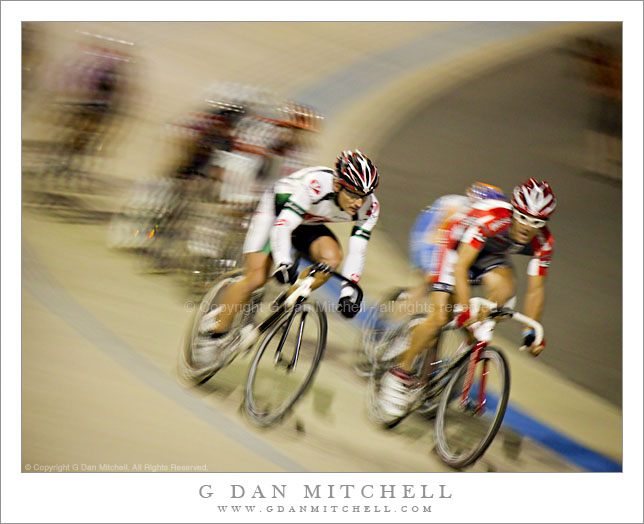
<point>530,345</point>
<point>347,307</point>
<point>472,315</point>
<point>286,273</point>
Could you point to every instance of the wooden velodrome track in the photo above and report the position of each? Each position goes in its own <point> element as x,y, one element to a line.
<point>98,379</point>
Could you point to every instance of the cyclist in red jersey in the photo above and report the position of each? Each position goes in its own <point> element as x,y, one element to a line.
<point>477,248</point>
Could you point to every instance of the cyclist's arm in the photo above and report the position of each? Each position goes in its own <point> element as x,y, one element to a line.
<point>535,297</point>
<point>533,306</point>
<point>354,263</point>
<point>538,266</point>
<point>466,256</point>
<point>357,252</point>
<point>291,216</point>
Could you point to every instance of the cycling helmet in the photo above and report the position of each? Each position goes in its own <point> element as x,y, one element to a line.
<point>534,198</point>
<point>300,116</point>
<point>481,191</point>
<point>224,113</point>
<point>356,171</point>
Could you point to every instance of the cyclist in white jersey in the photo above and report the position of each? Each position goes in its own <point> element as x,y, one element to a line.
<point>292,214</point>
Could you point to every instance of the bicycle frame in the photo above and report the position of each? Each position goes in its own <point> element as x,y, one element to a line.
<point>467,386</point>
<point>303,289</point>
<point>438,382</point>
<point>480,338</point>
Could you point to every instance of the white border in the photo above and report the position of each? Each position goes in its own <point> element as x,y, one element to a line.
<point>173,498</point>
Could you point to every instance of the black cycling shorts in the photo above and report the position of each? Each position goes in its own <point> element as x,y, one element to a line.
<point>304,235</point>
<point>484,263</point>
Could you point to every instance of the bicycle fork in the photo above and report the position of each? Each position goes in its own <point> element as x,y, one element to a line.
<point>278,352</point>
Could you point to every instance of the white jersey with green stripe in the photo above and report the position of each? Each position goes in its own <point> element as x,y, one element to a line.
<point>309,193</point>
<point>308,197</point>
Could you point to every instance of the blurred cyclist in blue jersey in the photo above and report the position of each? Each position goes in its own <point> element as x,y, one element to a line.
<point>427,233</point>
<point>427,240</point>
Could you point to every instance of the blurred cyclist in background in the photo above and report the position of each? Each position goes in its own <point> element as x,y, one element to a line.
<point>95,88</point>
<point>192,181</point>
<point>296,146</point>
<point>426,239</point>
<point>431,227</point>
<point>208,132</point>
<point>271,141</point>
<point>231,150</point>
<point>290,214</point>
<point>89,91</point>
<point>474,246</point>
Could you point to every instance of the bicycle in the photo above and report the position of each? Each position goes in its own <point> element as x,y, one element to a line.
<point>271,389</point>
<point>467,385</point>
<point>381,325</point>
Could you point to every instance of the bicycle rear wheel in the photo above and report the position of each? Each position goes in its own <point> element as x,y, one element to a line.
<point>285,364</point>
<point>385,358</point>
<point>463,431</point>
<point>186,368</point>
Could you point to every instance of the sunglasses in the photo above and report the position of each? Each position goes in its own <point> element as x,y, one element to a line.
<point>527,220</point>
<point>355,196</point>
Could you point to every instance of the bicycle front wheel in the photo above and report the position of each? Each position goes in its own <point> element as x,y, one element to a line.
<point>466,425</point>
<point>381,321</point>
<point>285,364</point>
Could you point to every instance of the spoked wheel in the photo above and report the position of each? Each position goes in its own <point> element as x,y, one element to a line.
<point>381,322</point>
<point>186,366</point>
<point>465,427</point>
<point>384,358</point>
<point>285,364</point>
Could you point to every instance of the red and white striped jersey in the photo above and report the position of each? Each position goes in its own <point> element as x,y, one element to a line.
<point>487,228</point>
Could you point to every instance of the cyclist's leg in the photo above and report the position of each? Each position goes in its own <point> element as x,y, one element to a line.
<point>257,263</point>
<point>423,335</point>
<point>500,284</point>
<point>412,301</point>
<point>236,296</point>
<point>424,256</point>
<point>321,245</point>
<point>440,271</point>
<point>400,386</point>
<point>497,276</point>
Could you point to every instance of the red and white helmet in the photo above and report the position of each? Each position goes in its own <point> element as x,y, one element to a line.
<point>356,171</point>
<point>534,198</point>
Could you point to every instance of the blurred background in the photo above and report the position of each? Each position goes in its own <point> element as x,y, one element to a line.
<point>146,146</point>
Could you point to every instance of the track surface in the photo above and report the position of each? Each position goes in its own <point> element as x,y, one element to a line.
<point>98,372</point>
<point>123,331</point>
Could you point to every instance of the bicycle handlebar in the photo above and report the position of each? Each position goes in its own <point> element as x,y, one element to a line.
<point>538,328</point>
<point>326,269</point>
<point>304,286</point>
<point>515,315</point>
